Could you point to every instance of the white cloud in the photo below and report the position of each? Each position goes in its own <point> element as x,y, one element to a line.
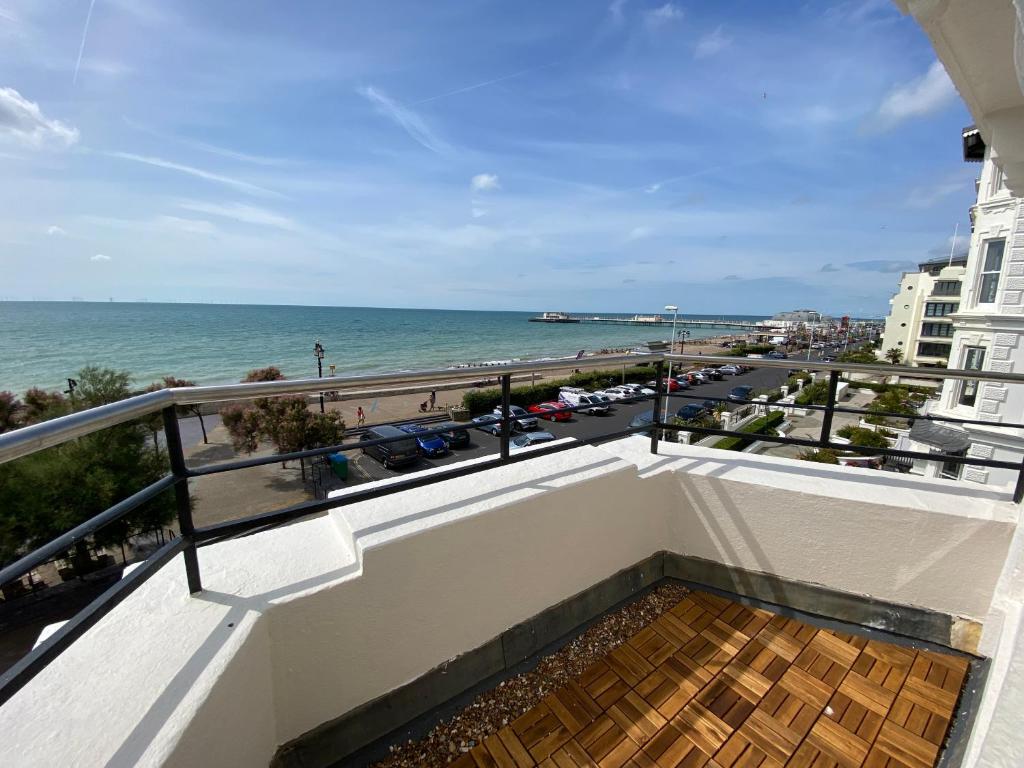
<point>99,257</point>
<point>665,13</point>
<point>711,44</point>
<point>653,188</point>
<point>55,231</point>
<point>478,213</point>
<point>928,195</point>
<point>485,182</point>
<point>639,233</point>
<point>158,162</point>
<point>247,214</point>
<point>921,96</point>
<point>409,121</point>
<point>23,121</point>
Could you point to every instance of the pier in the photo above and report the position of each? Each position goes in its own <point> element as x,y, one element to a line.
<point>649,320</point>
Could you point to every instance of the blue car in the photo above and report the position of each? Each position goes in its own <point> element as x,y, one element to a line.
<point>429,445</point>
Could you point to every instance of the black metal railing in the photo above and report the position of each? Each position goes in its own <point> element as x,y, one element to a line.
<point>31,439</point>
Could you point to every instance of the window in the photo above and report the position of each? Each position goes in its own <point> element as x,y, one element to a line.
<point>931,349</point>
<point>937,329</point>
<point>974,358</point>
<point>940,308</point>
<point>990,271</point>
<point>951,469</point>
<point>946,288</point>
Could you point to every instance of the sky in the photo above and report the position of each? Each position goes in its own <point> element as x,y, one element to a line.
<point>735,157</point>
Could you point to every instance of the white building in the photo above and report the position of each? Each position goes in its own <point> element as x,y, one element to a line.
<point>988,326</point>
<point>918,324</point>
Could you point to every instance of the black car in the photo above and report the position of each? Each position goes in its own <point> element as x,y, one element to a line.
<point>690,411</point>
<point>394,454</point>
<point>777,355</point>
<point>456,435</point>
<point>741,392</point>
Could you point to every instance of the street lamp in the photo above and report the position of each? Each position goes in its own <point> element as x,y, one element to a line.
<point>811,342</point>
<point>671,350</point>
<point>318,352</point>
<point>683,336</point>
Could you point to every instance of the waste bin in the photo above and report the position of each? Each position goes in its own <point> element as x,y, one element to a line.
<point>339,465</point>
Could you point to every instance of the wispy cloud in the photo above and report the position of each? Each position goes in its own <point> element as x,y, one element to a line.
<point>927,195</point>
<point>712,43</point>
<point>921,96</point>
<point>81,47</point>
<point>829,268</point>
<point>485,83</point>
<point>213,149</point>
<point>615,10</point>
<point>478,213</point>
<point>882,265</point>
<point>99,257</point>
<point>732,277</point>
<point>407,119</point>
<point>246,214</point>
<point>23,121</point>
<point>199,173</point>
<point>55,231</point>
<point>639,233</point>
<point>664,14</point>
<point>485,182</point>
<point>651,189</point>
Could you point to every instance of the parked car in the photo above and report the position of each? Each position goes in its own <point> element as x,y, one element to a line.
<point>730,370</point>
<point>777,355</point>
<point>671,385</point>
<point>613,393</point>
<point>741,392</point>
<point>690,411</point>
<point>394,454</point>
<point>691,379</point>
<point>700,376</point>
<point>712,373</point>
<point>456,435</point>
<point>488,423</point>
<point>682,382</point>
<point>527,439</point>
<point>590,403</point>
<point>551,411</point>
<point>521,419</point>
<point>429,445</point>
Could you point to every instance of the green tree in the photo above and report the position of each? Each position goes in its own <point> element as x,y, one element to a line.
<point>894,355</point>
<point>858,356</point>
<point>49,492</point>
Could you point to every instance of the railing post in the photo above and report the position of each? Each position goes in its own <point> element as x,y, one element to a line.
<point>830,405</point>
<point>184,504</point>
<point>1018,492</point>
<point>659,393</point>
<point>506,424</point>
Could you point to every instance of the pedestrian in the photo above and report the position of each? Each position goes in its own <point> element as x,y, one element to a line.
<point>433,399</point>
<point>360,416</point>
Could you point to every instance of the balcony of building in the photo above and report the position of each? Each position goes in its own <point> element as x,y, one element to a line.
<point>801,612</point>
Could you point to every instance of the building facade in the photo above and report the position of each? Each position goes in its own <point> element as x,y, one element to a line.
<point>919,324</point>
<point>988,327</point>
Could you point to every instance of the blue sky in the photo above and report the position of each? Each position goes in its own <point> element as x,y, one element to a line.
<point>733,157</point>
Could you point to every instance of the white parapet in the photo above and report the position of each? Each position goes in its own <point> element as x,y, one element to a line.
<point>300,624</point>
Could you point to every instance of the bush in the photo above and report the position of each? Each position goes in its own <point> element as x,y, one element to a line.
<point>875,386</point>
<point>863,437</point>
<point>858,356</point>
<point>896,399</point>
<point>793,382</point>
<point>824,456</point>
<point>760,426</point>
<point>814,394</point>
<point>750,349</point>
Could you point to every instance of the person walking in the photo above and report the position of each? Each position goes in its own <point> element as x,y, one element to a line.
<point>433,399</point>
<point>360,416</point>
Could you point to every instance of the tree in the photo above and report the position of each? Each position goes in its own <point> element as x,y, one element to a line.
<point>894,355</point>
<point>9,407</point>
<point>47,493</point>
<point>41,405</point>
<point>858,356</point>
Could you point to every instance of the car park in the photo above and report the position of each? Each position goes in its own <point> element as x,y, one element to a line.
<point>429,445</point>
<point>551,411</point>
<point>614,394</point>
<point>521,419</point>
<point>456,435</point>
<point>700,376</point>
<point>583,400</point>
<point>671,385</point>
<point>729,370</point>
<point>527,439</point>
<point>682,382</point>
<point>712,373</point>
<point>741,392</point>
<point>488,423</point>
<point>394,454</point>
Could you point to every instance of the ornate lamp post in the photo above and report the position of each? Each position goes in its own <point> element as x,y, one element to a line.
<point>318,352</point>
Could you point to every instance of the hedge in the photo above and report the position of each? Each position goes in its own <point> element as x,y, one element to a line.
<point>759,426</point>
<point>875,386</point>
<point>862,436</point>
<point>751,349</point>
<point>824,456</point>
<point>479,401</point>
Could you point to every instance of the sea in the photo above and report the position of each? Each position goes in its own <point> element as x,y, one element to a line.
<point>42,344</point>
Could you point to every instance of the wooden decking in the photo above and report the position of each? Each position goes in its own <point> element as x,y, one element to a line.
<point>715,684</point>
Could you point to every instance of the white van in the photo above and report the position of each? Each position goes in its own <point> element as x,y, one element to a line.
<point>575,396</point>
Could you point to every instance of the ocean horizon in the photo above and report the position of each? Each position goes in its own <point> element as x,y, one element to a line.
<point>45,342</point>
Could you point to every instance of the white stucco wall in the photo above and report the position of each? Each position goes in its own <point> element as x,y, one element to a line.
<point>300,624</point>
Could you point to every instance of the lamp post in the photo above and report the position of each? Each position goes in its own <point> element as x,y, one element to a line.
<point>683,336</point>
<point>671,350</point>
<point>811,342</point>
<point>318,352</point>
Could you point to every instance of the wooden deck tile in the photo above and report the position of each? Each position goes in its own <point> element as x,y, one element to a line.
<point>715,684</point>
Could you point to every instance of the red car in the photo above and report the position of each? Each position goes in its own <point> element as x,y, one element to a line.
<point>551,411</point>
<point>671,385</point>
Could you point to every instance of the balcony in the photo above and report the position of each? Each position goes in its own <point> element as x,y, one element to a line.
<point>336,629</point>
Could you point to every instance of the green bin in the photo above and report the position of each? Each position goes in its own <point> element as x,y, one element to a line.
<point>339,465</point>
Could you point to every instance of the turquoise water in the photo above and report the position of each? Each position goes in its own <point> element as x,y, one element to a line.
<point>42,343</point>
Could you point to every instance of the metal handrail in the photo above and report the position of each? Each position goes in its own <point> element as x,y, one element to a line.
<point>37,437</point>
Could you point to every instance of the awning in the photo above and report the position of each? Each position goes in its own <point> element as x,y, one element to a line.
<point>946,439</point>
